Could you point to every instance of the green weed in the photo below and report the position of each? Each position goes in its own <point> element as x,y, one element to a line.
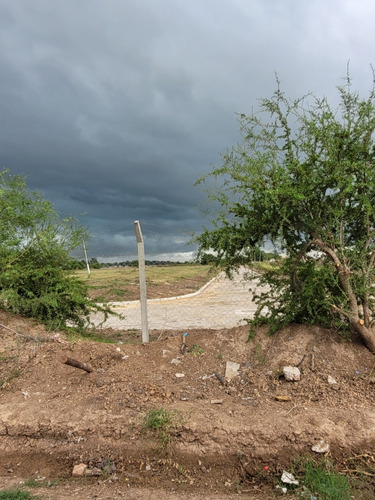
<point>16,495</point>
<point>41,482</point>
<point>11,375</point>
<point>322,480</point>
<point>161,423</point>
<point>260,355</point>
<point>196,350</point>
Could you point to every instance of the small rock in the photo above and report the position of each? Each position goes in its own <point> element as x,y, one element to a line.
<point>79,470</point>
<point>282,489</point>
<point>321,447</point>
<point>165,353</point>
<point>216,401</point>
<point>231,370</point>
<point>331,380</point>
<point>291,373</point>
<point>288,478</point>
<point>148,467</point>
<point>180,375</point>
<point>176,361</point>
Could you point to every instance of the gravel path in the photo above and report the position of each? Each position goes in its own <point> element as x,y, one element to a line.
<point>221,303</point>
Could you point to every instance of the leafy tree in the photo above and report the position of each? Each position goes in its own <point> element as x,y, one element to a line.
<point>303,178</point>
<point>35,248</point>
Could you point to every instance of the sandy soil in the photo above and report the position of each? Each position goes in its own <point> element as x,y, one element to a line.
<point>226,439</point>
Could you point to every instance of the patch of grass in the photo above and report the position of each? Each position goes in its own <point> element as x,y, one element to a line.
<point>16,495</point>
<point>196,350</point>
<point>11,375</point>
<point>260,355</point>
<point>40,483</point>
<point>7,358</point>
<point>322,480</point>
<point>90,337</point>
<point>161,423</point>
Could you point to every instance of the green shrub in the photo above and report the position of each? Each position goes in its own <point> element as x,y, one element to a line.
<point>35,258</point>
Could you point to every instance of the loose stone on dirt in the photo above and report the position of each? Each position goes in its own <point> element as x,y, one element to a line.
<point>288,478</point>
<point>321,447</point>
<point>231,370</point>
<point>331,380</point>
<point>291,373</point>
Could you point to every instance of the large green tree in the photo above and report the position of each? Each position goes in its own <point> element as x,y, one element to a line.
<point>35,247</point>
<point>303,177</point>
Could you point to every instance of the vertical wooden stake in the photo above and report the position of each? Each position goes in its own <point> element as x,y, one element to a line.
<point>142,281</point>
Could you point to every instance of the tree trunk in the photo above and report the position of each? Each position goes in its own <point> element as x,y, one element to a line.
<point>366,334</point>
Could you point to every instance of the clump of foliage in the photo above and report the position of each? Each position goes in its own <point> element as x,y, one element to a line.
<point>303,179</point>
<point>161,422</point>
<point>196,350</point>
<point>35,258</point>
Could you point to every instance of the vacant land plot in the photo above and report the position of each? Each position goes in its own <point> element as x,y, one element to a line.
<point>122,283</point>
<point>161,421</point>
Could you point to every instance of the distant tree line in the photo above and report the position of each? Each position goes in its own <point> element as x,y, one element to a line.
<point>95,264</point>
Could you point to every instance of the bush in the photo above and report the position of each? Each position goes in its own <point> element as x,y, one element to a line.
<point>35,259</point>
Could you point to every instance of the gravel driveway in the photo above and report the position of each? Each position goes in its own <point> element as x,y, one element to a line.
<point>221,303</point>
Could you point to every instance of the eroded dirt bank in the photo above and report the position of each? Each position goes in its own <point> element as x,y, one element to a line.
<point>222,435</point>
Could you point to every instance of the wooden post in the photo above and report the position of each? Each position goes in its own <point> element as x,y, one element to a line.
<point>142,281</point>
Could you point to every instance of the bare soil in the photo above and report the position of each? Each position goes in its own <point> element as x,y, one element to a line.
<point>226,440</point>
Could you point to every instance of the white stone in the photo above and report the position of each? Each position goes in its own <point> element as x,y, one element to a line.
<point>180,375</point>
<point>282,489</point>
<point>231,370</point>
<point>321,447</point>
<point>291,373</point>
<point>331,380</point>
<point>288,478</point>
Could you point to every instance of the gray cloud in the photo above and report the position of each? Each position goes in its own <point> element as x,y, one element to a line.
<point>113,109</point>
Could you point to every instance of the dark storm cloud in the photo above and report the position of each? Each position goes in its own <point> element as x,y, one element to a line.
<point>113,109</point>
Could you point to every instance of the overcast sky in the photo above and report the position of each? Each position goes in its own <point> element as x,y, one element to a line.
<point>113,108</point>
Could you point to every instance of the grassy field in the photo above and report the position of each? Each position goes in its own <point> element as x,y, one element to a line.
<point>122,283</point>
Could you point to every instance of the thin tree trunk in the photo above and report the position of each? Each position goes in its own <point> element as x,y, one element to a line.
<point>366,334</point>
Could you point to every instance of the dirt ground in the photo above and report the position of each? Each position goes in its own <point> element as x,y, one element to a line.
<point>225,439</point>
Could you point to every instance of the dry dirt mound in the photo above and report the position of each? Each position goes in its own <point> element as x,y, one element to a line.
<point>222,435</point>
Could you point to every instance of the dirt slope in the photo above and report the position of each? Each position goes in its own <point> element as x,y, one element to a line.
<point>54,416</point>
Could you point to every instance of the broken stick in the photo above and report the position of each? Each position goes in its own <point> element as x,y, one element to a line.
<point>76,364</point>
